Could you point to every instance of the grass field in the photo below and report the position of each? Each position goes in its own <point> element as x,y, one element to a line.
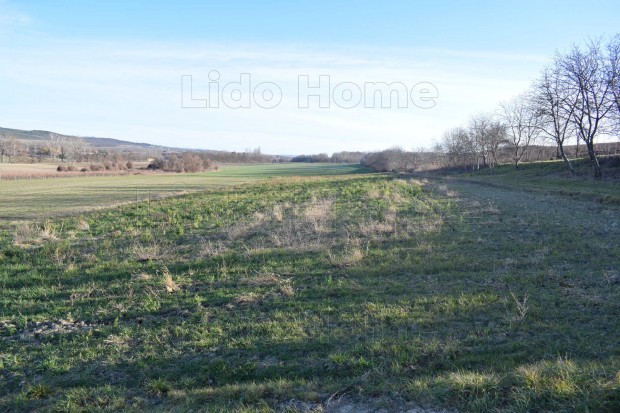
<point>28,171</point>
<point>552,177</point>
<point>39,198</point>
<point>6,168</point>
<point>316,293</point>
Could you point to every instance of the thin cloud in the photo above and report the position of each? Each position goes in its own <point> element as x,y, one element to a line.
<point>132,90</point>
<point>11,17</point>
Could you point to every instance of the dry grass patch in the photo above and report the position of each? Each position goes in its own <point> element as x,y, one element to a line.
<point>374,229</point>
<point>298,235</point>
<point>48,232</point>
<point>277,213</point>
<point>82,225</point>
<point>243,227</point>
<point>373,194</point>
<point>169,283</point>
<point>210,248</point>
<point>26,234</point>
<point>318,212</point>
<point>142,276</point>
<point>428,225</point>
<point>287,290</point>
<point>248,299</point>
<point>152,251</point>
<point>119,342</point>
<point>348,257</point>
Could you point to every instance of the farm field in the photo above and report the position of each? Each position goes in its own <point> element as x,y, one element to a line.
<point>39,198</point>
<point>27,171</point>
<point>288,288</point>
<point>23,168</point>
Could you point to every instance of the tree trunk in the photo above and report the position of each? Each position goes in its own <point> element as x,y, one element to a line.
<point>577,149</point>
<point>596,167</point>
<point>566,160</point>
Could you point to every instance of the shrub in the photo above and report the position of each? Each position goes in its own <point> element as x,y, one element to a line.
<point>191,163</point>
<point>61,168</point>
<point>188,162</point>
<point>391,160</point>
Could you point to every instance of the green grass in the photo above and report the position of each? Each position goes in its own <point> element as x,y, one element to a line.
<point>445,293</point>
<point>552,177</point>
<point>37,198</point>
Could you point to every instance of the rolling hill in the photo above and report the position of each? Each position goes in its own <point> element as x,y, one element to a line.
<point>35,136</point>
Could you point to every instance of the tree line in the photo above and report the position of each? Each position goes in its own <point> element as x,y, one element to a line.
<point>71,150</point>
<point>575,99</point>
<point>248,156</point>
<point>64,149</point>
<point>338,157</point>
<point>184,162</point>
<point>574,102</point>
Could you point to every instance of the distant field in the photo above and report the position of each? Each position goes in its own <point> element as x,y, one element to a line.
<point>37,198</point>
<point>6,168</point>
<point>27,171</point>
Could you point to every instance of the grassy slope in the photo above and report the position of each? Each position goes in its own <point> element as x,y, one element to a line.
<point>552,177</point>
<point>443,292</point>
<point>53,197</point>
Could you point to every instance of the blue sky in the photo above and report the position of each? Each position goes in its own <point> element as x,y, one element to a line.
<point>114,68</point>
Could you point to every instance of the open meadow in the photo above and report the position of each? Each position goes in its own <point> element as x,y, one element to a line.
<point>40,198</point>
<point>286,288</point>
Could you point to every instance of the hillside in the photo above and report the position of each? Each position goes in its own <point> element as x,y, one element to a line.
<point>34,136</point>
<point>552,177</point>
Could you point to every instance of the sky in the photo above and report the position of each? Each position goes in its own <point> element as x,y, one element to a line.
<point>235,75</point>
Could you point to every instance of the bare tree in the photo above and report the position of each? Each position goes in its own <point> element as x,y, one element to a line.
<point>488,135</point>
<point>613,75</point>
<point>495,139</point>
<point>586,74</point>
<point>13,148</point>
<point>478,127</point>
<point>555,105</point>
<point>466,142</point>
<point>66,148</point>
<point>394,159</point>
<point>4,147</point>
<point>78,149</point>
<point>56,146</point>
<point>397,159</point>
<point>9,147</point>
<point>523,123</point>
<point>459,149</point>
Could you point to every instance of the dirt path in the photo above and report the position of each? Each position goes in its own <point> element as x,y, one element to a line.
<point>582,216</point>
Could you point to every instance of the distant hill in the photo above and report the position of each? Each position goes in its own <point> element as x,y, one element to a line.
<point>35,136</point>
